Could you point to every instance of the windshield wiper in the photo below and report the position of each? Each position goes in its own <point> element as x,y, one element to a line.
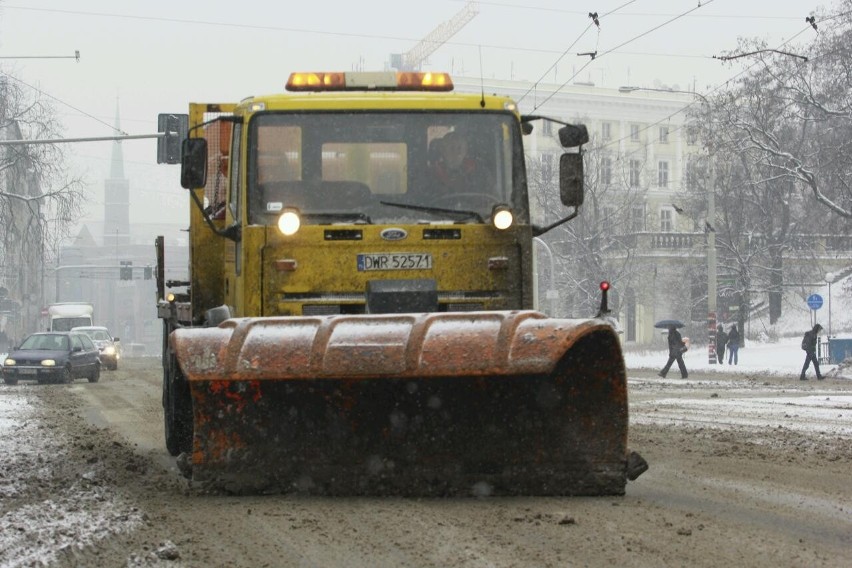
<point>427,209</point>
<point>345,215</point>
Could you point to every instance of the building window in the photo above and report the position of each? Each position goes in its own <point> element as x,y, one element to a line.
<point>606,133</point>
<point>692,134</point>
<point>634,133</point>
<point>606,171</point>
<point>664,135</point>
<point>633,173</point>
<point>547,166</point>
<point>637,218</point>
<point>692,173</point>
<point>666,220</point>
<point>663,173</point>
<point>546,127</point>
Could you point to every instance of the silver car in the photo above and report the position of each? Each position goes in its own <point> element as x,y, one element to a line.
<point>108,346</point>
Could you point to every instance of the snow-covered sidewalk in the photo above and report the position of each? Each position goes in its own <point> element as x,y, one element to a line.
<point>784,357</point>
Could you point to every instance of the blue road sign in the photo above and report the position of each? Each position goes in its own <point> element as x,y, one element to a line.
<point>814,301</point>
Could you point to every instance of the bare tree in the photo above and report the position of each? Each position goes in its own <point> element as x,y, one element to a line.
<point>781,144</point>
<point>38,202</point>
<point>600,243</point>
<point>810,141</point>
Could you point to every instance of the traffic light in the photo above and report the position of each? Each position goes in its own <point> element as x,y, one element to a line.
<point>148,272</point>
<point>175,127</point>
<point>125,272</point>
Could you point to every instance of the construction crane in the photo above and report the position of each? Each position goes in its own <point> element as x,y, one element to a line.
<point>414,58</point>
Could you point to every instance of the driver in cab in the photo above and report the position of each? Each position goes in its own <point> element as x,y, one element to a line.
<point>454,168</point>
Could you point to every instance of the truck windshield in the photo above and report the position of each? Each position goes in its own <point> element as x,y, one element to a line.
<point>385,167</point>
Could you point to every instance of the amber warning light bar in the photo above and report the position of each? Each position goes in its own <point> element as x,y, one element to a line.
<point>366,81</point>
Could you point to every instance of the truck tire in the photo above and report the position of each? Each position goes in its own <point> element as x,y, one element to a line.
<point>67,376</point>
<point>177,409</point>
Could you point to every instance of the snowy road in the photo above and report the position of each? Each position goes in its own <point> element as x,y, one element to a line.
<point>749,469</point>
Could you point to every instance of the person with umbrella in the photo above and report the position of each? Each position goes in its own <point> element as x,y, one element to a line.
<point>677,347</point>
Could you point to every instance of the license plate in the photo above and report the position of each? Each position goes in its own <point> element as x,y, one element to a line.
<point>26,371</point>
<point>394,261</point>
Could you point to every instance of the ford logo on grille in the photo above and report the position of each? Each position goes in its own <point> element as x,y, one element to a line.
<point>394,234</point>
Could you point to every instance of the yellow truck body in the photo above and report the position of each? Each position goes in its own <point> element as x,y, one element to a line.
<point>355,324</point>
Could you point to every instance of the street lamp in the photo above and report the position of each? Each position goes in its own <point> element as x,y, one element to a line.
<point>551,294</point>
<point>710,230</point>
<point>829,277</point>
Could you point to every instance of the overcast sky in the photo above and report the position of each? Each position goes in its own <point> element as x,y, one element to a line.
<point>156,56</point>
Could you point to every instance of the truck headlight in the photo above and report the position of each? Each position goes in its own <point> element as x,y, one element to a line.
<point>502,218</point>
<point>289,222</point>
<point>109,350</point>
<point>48,363</point>
<point>9,363</point>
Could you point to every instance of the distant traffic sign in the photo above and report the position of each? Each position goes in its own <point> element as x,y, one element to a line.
<point>814,301</point>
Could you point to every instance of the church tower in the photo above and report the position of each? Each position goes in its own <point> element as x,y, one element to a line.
<point>116,197</point>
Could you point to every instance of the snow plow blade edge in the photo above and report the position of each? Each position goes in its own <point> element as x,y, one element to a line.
<point>481,403</point>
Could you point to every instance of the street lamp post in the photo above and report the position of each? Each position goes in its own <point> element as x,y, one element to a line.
<point>829,277</point>
<point>552,295</point>
<point>709,228</point>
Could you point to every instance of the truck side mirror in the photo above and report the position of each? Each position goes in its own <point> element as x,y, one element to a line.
<point>573,135</point>
<point>175,128</point>
<point>193,164</point>
<point>571,179</point>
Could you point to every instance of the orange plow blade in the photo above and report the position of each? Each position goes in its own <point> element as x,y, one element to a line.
<point>508,403</point>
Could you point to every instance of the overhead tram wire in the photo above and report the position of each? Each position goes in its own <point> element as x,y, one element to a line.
<point>713,90</point>
<point>642,14</point>
<point>366,36</point>
<point>69,105</point>
<point>631,40</point>
<point>275,28</point>
<point>571,47</point>
<point>620,158</point>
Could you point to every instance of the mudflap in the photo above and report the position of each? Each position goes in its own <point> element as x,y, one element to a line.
<point>488,403</point>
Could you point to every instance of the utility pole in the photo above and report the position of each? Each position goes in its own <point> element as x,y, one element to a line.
<point>709,227</point>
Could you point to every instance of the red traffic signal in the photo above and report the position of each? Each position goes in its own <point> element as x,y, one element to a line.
<point>604,285</point>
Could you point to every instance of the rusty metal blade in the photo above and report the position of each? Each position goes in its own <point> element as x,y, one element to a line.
<point>415,404</point>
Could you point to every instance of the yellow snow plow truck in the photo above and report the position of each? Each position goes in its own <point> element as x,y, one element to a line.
<point>358,318</point>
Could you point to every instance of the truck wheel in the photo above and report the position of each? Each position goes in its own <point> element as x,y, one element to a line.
<point>177,410</point>
<point>67,376</point>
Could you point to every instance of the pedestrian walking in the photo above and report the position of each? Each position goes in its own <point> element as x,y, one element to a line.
<point>677,347</point>
<point>733,345</point>
<point>809,343</point>
<point>721,340</point>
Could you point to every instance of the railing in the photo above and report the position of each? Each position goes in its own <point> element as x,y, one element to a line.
<point>680,241</point>
<point>661,240</point>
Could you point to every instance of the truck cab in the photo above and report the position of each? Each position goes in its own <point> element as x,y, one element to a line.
<point>410,199</point>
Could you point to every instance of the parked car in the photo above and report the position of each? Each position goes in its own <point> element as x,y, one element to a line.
<point>109,346</point>
<point>53,357</point>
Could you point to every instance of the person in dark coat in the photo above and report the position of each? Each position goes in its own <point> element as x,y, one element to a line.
<point>721,341</point>
<point>809,343</point>
<point>677,348</point>
<point>733,345</point>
